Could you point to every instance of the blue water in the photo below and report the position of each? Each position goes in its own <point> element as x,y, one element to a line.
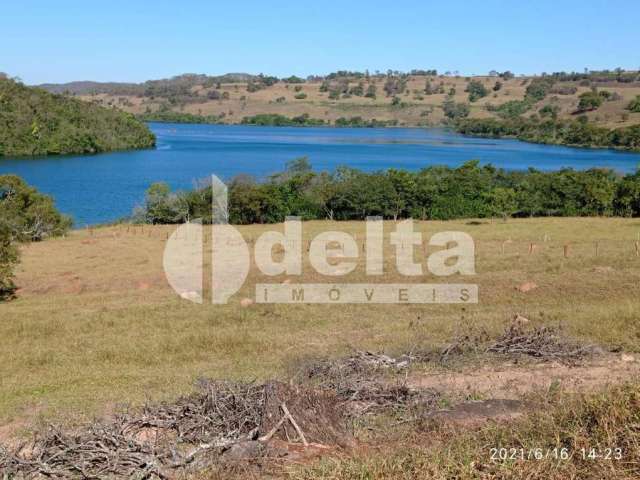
<point>103,188</point>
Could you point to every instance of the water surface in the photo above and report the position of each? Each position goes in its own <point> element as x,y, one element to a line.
<point>102,188</point>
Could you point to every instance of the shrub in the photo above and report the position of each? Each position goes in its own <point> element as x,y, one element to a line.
<point>634,105</point>
<point>455,111</point>
<point>300,96</point>
<point>8,259</point>
<point>28,214</point>
<point>476,90</point>
<point>539,88</point>
<point>590,101</point>
<point>25,215</point>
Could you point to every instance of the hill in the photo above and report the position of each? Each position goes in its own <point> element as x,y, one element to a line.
<point>36,122</point>
<point>417,98</point>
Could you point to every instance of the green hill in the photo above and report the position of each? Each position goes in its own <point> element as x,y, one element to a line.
<point>36,122</point>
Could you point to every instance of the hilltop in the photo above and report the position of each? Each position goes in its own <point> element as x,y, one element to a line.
<point>36,122</point>
<point>417,98</point>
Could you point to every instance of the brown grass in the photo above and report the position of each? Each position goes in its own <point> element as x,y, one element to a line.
<point>95,323</point>
<point>318,105</point>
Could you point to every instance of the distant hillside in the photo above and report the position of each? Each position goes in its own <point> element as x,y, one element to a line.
<point>149,88</point>
<point>36,122</point>
<point>343,98</point>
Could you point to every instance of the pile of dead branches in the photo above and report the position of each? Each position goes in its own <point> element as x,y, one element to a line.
<point>366,382</point>
<point>540,342</point>
<point>195,431</point>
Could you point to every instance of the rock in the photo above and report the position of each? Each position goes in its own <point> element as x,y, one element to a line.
<point>527,287</point>
<point>246,302</point>
<point>627,358</point>
<point>604,269</point>
<point>191,296</point>
<point>249,450</point>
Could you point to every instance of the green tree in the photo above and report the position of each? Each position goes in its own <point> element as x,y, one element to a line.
<point>590,101</point>
<point>28,214</point>
<point>634,105</point>
<point>476,90</point>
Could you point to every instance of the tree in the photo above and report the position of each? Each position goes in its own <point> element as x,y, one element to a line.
<point>371,91</point>
<point>28,214</point>
<point>634,105</point>
<point>455,111</point>
<point>8,259</point>
<point>25,215</point>
<point>590,101</point>
<point>476,90</point>
<point>502,202</point>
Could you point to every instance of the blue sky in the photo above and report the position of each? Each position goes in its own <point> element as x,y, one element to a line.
<point>58,41</point>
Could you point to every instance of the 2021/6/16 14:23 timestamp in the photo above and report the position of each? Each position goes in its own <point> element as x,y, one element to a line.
<point>511,454</point>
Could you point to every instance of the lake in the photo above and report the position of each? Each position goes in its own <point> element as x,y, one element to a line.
<point>102,188</point>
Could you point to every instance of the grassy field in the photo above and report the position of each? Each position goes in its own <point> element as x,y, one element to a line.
<point>95,323</point>
<point>417,109</point>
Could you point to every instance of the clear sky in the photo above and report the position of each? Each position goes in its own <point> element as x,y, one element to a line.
<point>59,41</point>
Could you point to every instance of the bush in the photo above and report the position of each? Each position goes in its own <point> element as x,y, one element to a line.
<point>28,214</point>
<point>455,111</point>
<point>590,101</point>
<point>8,259</point>
<point>442,193</point>
<point>300,96</point>
<point>634,105</point>
<point>25,215</point>
<point>476,90</point>
<point>538,88</point>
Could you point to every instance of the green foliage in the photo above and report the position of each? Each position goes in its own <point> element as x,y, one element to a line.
<point>25,215</point>
<point>577,132</point>
<point>300,96</point>
<point>443,193</point>
<point>539,88</point>
<point>371,91</point>
<point>476,90</point>
<point>455,111</point>
<point>36,122</point>
<point>8,260</point>
<point>360,122</point>
<point>168,116</point>
<point>276,120</point>
<point>293,79</point>
<point>28,214</point>
<point>634,105</point>
<point>549,111</point>
<point>590,101</point>
<point>511,109</point>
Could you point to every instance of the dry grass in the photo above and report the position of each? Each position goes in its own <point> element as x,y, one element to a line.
<point>95,323</point>
<point>318,105</point>
<point>562,425</point>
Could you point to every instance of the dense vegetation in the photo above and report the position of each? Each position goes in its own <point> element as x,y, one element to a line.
<point>441,193</point>
<point>168,116</point>
<point>36,122</point>
<point>25,215</point>
<point>577,132</point>
<point>276,120</point>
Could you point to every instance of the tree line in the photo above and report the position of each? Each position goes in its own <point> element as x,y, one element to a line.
<point>579,132</point>
<point>438,193</point>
